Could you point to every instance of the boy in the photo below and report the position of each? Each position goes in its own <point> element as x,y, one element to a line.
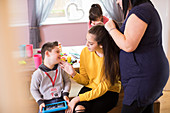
<point>49,82</point>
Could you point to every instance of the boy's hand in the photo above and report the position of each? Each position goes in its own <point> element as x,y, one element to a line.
<point>41,106</point>
<point>68,110</point>
<point>66,99</point>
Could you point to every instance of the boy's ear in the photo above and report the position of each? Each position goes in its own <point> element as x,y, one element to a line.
<point>47,53</point>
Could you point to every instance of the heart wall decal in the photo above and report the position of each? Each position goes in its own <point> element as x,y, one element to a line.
<point>73,12</point>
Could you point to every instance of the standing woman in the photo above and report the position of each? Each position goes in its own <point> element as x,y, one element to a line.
<point>96,15</point>
<point>144,67</point>
<point>99,73</point>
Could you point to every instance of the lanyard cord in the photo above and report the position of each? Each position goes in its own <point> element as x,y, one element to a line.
<point>53,82</point>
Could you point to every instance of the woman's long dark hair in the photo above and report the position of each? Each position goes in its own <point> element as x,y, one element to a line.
<point>95,12</point>
<point>134,3</point>
<point>111,52</point>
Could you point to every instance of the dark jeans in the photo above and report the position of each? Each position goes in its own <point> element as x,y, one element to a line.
<point>102,104</point>
<point>54,101</point>
<point>135,109</point>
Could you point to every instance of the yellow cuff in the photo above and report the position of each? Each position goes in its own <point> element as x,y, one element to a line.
<point>82,97</point>
<point>75,77</point>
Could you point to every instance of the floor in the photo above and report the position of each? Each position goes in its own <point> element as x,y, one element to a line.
<point>165,102</point>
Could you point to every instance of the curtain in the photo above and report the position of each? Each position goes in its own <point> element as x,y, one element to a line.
<point>41,9</point>
<point>113,11</point>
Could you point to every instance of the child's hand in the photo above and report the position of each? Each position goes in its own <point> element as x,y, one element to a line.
<point>66,99</point>
<point>41,106</point>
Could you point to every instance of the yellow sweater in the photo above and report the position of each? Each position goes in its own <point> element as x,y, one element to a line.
<point>92,77</point>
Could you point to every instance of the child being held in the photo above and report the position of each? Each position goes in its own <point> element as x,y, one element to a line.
<point>96,15</point>
<point>49,82</point>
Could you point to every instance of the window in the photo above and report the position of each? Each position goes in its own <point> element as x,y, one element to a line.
<point>69,11</point>
<point>58,9</point>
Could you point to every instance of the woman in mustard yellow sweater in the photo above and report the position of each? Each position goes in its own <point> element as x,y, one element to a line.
<point>99,73</point>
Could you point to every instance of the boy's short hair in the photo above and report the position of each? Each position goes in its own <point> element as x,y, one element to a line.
<point>48,47</point>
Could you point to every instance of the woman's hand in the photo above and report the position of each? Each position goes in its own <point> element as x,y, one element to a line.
<point>110,25</point>
<point>73,102</point>
<point>68,68</point>
<point>96,22</point>
<point>41,106</point>
<point>68,110</point>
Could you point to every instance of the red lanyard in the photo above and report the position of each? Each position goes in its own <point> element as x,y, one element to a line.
<point>53,82</point>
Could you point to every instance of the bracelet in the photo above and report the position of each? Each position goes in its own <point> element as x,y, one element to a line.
<point>111,29</point>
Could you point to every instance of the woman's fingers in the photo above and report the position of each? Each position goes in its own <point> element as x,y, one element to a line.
<point>62,64</point>
<point>69,110</point>
<point>68,68</point>
<point>98,22</point>
<point>109,25</point>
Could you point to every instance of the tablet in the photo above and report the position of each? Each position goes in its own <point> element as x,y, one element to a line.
<point>58,106</point>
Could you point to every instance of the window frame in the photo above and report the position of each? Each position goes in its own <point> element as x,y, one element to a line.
<point>85,6</point>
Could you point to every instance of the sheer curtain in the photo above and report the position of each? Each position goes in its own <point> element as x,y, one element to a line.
<point>41,9</point>
<point>113,11</point>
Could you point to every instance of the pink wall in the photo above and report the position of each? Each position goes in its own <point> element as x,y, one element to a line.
<point>67,34</point>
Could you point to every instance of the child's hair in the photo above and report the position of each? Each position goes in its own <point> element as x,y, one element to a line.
<point>95,12</point>
<point>111,52</point>
<point>48,47</point>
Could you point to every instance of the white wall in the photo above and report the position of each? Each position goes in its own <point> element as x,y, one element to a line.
<point>164,11</point>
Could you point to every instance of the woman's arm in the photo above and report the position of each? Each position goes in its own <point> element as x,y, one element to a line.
<point>73,102</point>
<point>81,78</point>
<point>134,31</point>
